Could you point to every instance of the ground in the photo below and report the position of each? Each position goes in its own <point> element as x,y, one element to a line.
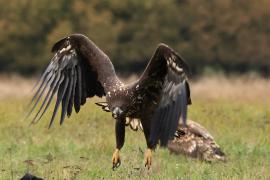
<point>235,111</point>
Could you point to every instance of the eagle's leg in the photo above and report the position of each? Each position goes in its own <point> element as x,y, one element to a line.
<point>120,139</point>
<point>150,146</point>
<point>148,158</point>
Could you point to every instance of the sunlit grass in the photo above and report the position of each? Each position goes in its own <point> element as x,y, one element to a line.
<point>82,147</point>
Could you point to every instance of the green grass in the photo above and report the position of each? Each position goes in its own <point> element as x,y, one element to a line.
<point>83,146</point>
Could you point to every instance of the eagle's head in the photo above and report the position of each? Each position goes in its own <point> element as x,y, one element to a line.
<point>117,113</point>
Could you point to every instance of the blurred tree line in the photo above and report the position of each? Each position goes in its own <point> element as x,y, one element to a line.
<point>229,35</point>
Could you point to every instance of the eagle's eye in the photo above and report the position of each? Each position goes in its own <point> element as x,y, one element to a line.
<point>117,112</point>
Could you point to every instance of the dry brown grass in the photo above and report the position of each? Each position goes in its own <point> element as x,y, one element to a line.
<point>248,89</point>
<point>13,86</point>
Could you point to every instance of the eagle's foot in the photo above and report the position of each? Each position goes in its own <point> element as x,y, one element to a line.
<point>116,159</point>
<point>148,158</point>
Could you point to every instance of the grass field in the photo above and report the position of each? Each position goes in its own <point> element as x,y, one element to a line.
<point>236,112</point>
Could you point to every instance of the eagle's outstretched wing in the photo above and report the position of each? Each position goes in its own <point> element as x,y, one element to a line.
<point>164,82</point>
<point>77,70</point>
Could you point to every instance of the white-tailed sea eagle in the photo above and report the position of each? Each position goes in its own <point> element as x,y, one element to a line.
<point>80,70</point>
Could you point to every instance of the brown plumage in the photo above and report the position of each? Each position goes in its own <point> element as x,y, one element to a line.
<point>195,141</point>
<point>80,70</point>
<point>192,140</point>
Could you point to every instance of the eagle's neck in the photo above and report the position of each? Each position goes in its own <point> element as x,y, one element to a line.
<point>100,63</point>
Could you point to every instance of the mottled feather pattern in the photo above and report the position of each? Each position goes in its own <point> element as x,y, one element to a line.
<point>195,141</point>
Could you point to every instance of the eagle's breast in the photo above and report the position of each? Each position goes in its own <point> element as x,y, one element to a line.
<point>126,97</point>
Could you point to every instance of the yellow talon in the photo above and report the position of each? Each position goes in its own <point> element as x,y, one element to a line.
<point>148,158</point>
<point>116,159</point>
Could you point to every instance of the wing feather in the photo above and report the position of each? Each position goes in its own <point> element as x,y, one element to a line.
<point>165,123</point>
<point>175,115</point>
<point>71,100</point>
<point>66,98</point>
<point>72,75</point>
<point>184,102</point>
<point>47,95</point>
<point>41,90</point>
<point>83,89</point>
<point>45,77</point>
<point>169,69</point>
<point>78,90</point>
<point>60,95</point>
<point>51,97</point>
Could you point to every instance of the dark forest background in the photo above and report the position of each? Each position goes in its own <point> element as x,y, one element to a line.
<point>232,36</point>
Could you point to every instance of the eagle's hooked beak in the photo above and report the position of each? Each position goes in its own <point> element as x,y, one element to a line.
<point>117,112</point>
